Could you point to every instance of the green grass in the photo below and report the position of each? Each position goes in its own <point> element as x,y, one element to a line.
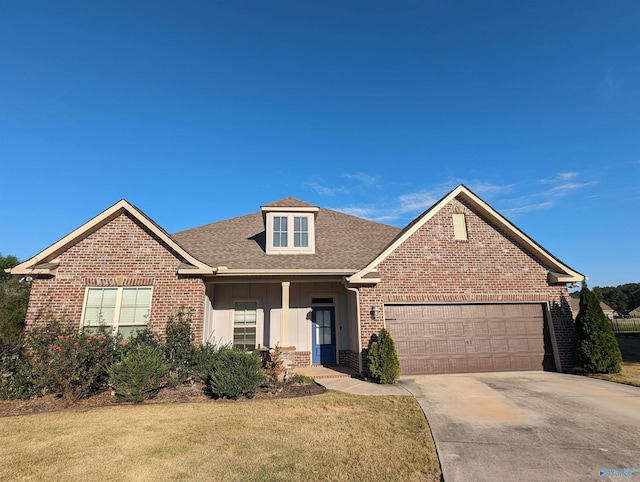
<point>333,436</point>
<point>630,373</point>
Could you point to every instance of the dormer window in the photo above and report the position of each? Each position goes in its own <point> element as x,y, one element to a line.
<point>290,227</point>
<point>282,233</point>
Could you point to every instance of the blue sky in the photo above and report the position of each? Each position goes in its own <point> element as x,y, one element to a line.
<point>200,111</point>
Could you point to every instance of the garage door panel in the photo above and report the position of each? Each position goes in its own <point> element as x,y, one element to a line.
<point>480,327</point>
<point>458,365</point>
<point>455,328</point>
<point>499,345</point>
<point>456,347</point>
<point>480,345</point>
<point>497,327</point>
<point>467,338</point>
<point>518,345</point>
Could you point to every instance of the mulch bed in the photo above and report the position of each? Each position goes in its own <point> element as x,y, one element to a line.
<point>180,394</point>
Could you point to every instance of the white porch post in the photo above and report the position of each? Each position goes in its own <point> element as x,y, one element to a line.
<point>285,313</point>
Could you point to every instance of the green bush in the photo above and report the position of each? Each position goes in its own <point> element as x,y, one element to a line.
<point>136,341</point>
<point>178,348</point>
<point>596,349</point>
<point>139,375</point>
<point>234,373</point>
<point>67,361</point>
<point>204,359</point>
<point>384,366</point>
<point>15,374</point>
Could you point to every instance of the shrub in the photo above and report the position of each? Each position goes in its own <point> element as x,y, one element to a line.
<point>298,379</point>
<point>384,366</point>
<point>139,375</point>
<point>204,358</point>
<point>67,361</point>
<point>15,374</point>
<point>234,374</point>
<point>273,366</point>
<point>596,349</point>
<point>178,348</point>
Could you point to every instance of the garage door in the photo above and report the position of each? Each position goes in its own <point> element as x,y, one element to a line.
<point>469,338</point>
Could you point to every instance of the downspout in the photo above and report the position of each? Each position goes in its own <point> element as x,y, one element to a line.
<point>357,292</point>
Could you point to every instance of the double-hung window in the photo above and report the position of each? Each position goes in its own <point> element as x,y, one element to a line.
<point>245,320</point>
<point>290,233</point>
<point>300,232</point>
<point>280,232</point>
<point>123,309</point>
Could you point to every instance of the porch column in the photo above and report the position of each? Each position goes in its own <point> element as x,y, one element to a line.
<point>285,313</point>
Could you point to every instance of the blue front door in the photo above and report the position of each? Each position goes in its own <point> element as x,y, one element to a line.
<point>323,335</point>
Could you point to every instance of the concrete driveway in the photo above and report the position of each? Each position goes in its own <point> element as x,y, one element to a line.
<point>531,426</point>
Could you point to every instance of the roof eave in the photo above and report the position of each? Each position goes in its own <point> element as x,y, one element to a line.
<point>554,277</point>
<point>224,271</point>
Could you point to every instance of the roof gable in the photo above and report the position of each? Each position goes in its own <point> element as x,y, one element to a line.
<point>559,272</point>
<point>44,262</point>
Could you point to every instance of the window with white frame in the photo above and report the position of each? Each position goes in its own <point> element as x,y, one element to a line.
<point>123,309</point>
<point>245,321</point>
<point>280,232</point>
<point>290,233</point>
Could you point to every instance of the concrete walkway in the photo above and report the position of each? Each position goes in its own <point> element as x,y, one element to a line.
<point>343,379</point>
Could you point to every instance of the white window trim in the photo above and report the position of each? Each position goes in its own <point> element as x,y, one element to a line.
<point>259,324</point>
<point>290,248</point>
<point>118,305</point>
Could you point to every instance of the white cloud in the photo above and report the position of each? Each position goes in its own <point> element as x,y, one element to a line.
<point>563,189</point>
<point>363,178</point>
<point>415,201</point>
<point>318,186</point>
<point>515,212</point>
<point>405,206</point>
<point>559,177</point>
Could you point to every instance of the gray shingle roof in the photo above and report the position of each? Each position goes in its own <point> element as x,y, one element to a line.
<point>290,202</point>
<point>342,242</point>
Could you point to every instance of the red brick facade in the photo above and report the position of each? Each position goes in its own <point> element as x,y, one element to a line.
<point>433,267</point>
<point>120,253</point>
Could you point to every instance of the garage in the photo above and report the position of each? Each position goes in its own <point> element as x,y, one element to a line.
<point>462,338</point>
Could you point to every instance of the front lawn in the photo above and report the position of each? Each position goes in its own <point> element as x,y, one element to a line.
<point>333,436</point>
<point>630,373</point>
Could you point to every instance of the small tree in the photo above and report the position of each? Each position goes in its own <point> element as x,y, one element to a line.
<point>178,348</point>
<point>384,366</point>
<point>14,298</point>
<point>596,349</point>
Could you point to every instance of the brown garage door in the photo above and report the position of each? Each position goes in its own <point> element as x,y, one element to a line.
<point>468,338</point>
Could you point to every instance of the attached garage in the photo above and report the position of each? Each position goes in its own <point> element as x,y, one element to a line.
<point>460,338</point>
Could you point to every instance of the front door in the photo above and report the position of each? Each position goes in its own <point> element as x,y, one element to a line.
<point>323,335</point>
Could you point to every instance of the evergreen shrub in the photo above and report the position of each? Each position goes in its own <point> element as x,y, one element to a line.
<point>139,374</point>
<point>596,349</point>
<point>234,373</point>
<point>384,366</point>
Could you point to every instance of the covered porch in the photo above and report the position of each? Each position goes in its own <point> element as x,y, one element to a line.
<point>313,321</point>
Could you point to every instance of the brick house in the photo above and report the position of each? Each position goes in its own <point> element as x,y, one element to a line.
<point>460,288</point>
